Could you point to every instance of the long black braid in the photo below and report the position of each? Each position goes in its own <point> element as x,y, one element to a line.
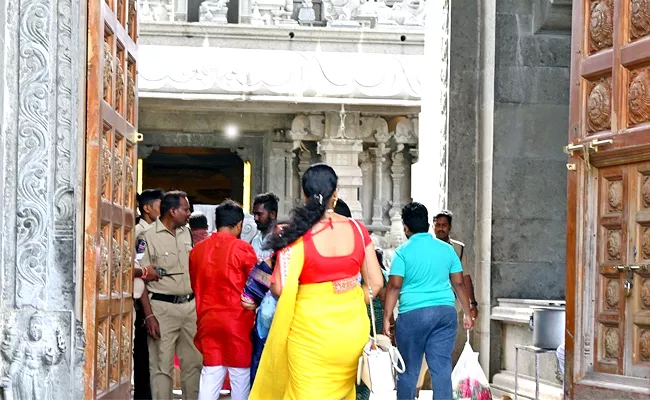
<point>318,184</point>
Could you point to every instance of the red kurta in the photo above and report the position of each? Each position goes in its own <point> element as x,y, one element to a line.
<point>219,267</point>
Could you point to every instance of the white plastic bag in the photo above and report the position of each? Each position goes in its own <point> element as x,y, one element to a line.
<point>468,379</point>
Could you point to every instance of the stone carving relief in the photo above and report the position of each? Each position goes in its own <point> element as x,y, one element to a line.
<point>615,196</point>
<point>214,11</point>
<point>612,294</point>
<point>601,24</point>
<point>639,18</point>
<point>645,191</point>
<point>108,70</point>
<point>102,359</point>
<point>373,127</point>
<point>33,144</point>
<point>639,95</point>
<point>307,127</point>
<point>117,173</point>
<point>644,345</point>
<point>31,359</point>
<point>599,106</point>
<point>614,245</point>
<point>280,72</point>
<point>406,130</point>
<point>645,243</point>
<point>610,343</point>
<point>645,294</point>
<point>405,12</point>
<point>272,12</point>
<point>107,159</point>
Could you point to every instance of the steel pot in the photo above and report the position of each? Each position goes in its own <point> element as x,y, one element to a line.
<point>547,324</point>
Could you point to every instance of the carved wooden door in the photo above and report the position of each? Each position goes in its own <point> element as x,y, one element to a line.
<point>608,221</point>
<point>110,197</point>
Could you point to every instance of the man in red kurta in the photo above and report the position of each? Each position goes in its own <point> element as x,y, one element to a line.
<point>219,267</point>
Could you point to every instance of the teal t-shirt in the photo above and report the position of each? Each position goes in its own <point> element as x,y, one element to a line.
<point>425,264</point>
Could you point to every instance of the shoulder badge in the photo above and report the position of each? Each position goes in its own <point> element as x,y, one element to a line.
<point>140,246</point>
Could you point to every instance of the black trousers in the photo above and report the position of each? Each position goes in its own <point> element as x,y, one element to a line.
<point>141,378</point>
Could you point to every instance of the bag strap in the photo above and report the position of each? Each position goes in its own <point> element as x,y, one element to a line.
<point>365,266</point>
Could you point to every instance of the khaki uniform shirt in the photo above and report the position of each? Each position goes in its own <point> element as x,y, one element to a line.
<point>141,227</point>
<point>170,252</point>
<point>460,248</point>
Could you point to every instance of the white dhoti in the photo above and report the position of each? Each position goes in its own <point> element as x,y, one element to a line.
<point>212,379</point>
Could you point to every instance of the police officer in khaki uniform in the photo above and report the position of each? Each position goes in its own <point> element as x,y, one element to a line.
<point>171,315</point>
<point>442,228</point>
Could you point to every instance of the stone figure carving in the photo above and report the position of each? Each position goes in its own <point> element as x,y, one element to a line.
<point>406,12</point>
<point>306,13</point>
<point>30,361</point>
<point>214,11</point>
<point>341,10</point>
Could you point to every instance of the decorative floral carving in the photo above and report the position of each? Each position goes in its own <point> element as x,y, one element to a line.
<point>599,107</point>
<point>133,12</point>
<point>645,191</point>
<point>615,196</point>
<point>129,180</point>
<point>117,261</point>
<point>33,142</point>
<point>119,85</point>
<point>611,343</point>
<point>130,94</point>
<point>612,295</point>
<point>103,265</point>
<point>108,69</point>
<point>645,243</point>
<point>639,96</point>
<point>115,352</point>
<point>126,347</point>
<point>601,24</point>
<point>120,10</point>
<point>645,294</point>
<point>639,18</point>
<point>107,156</point>
<point>117,174</point>
<point>644,345</point>
<point>614,245</point>
<point>126,266</point>
<point>102,359</point>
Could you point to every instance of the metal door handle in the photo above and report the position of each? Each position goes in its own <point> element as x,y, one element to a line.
<point>570,148</point>
<point>594,144</point>
<point>638,267</point>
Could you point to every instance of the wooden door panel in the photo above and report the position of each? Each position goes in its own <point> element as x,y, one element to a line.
<point>110,196</point>
<point>612,252</point>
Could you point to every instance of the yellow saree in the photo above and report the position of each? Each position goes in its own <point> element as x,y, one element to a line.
<point>315,340</point>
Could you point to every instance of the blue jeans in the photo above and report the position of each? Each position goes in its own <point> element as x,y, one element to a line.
<point>431,332</point>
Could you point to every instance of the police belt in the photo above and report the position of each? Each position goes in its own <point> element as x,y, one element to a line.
<point>170,298</point>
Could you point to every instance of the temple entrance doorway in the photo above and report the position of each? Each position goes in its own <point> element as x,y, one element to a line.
<point>208,175</point>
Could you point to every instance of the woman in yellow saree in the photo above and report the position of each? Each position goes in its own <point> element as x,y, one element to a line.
<point>320,324</point>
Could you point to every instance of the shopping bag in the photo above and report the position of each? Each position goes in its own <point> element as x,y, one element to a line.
<point>468,379</point>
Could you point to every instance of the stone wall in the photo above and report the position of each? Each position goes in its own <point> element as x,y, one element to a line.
<point>40,71</point>
<point>530,128</point>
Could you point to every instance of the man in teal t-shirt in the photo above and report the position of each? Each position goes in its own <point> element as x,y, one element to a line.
<point>421,275</point>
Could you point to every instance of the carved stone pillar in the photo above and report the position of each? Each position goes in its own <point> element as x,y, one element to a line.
<point>279,176</point>
<point>397,174</point>
<point>343,156</point>
<point>379,157</point>
<point>365,195</point>
<point>41,76</point>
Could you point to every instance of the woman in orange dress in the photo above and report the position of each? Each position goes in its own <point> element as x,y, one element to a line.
<point>320,324</point>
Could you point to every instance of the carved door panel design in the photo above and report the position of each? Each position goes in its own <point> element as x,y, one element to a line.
<point>608,297</point>
<point>110,197</point>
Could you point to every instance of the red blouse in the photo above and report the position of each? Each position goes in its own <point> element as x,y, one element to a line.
<point>318,268</point>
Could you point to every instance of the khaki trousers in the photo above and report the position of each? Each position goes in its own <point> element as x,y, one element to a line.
<point>177,330</point>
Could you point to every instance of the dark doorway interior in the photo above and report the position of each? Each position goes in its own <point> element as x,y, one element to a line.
<point>208,175</point>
